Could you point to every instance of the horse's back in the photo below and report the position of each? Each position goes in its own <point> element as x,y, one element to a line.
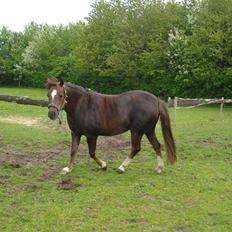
<point>128,101</point>
<point>140,100</point>
<point>133,110</point>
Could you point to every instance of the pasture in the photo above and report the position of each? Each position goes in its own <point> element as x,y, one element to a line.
<point>195,194</point>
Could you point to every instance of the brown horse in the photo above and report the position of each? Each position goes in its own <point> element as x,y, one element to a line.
<point>92,114</point>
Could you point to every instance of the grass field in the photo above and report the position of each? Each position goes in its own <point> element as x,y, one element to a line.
<point>195,194</point>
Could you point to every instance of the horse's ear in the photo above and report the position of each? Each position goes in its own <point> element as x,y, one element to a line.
<point>48,83</point>
<point>61,82</point>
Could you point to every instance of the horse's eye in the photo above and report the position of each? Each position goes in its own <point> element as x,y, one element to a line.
<point>61,95</point>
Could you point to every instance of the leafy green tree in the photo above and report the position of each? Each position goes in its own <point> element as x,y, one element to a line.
<point>172,48</point>
<point>50,53</point>
<point>11,47</point>
<point>208,54</point>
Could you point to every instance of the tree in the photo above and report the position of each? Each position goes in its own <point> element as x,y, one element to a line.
<point>50,53</point>
<point>11,47</point>
<point>209,51</point>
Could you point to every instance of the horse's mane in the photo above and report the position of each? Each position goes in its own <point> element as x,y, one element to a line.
<point>54,81</point>
<point>75,87</point>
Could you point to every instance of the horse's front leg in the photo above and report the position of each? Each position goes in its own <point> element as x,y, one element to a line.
<point>92,142</point>
<point>75,143</point>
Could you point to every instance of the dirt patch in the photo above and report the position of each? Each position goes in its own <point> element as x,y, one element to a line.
<point>31,188</point>
<point>49,173</point>
<point>147,196</point>
<point>67,184</point>
<point>228,160</point>
<point>17,159</point>
<point>228,146</point>
<point>3,180</point>
<point>108,146</point>
<point>137,221</point>
<point>26,121</point>
<point>14,164</point>
<point>182,229</point>
<point>212,142</point>
<point>112,143</point>
<point>44,157</point>
<point>205,141</point>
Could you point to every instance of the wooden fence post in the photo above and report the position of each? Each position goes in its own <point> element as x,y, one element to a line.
<point>175,107</point>
<point>222,104</point>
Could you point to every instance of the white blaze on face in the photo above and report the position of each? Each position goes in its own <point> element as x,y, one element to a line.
<point>53,94</point>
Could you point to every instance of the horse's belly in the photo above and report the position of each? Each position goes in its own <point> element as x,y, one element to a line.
<point>113,131</point>
<point>114,127</point>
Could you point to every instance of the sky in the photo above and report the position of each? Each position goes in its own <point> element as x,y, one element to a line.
<point>16,14</point>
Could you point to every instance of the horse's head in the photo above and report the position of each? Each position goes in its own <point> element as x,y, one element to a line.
<point>56,97</point>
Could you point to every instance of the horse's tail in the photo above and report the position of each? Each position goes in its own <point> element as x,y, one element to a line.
<point>167,132</point>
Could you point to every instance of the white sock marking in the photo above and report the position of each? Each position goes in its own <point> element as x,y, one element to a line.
<point>160,165</point>
<point>103,165</point>
<point>125,164</point>
<point>121,168</point>
<point>160,162</point>
<point>66,170</point>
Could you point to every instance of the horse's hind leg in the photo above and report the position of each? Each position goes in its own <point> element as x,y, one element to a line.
<point>135,148</point>
<point>92,142</point>
<point>157,147</point>
<point>75,144</point>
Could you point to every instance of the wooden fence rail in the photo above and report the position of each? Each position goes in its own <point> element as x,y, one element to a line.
<point>191,102</point>
<point>177,103</point>
<point>24,100</point>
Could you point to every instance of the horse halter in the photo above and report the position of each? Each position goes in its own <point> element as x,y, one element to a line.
<point>62,105</point>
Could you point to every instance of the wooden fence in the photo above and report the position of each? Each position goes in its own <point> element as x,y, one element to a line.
<point>177,103</point>
<point>24,100</point>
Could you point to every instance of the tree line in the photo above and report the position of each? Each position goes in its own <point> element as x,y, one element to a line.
<point>170,48</point>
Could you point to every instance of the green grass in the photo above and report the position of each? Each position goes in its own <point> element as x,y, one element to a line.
<point>24,92</point>
<point>195,194</point>
<point>23,110</point>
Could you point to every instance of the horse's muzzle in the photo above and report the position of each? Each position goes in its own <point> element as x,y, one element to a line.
<point>53,114</point>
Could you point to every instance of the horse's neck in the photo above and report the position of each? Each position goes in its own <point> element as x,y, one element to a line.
<point>73,97</point>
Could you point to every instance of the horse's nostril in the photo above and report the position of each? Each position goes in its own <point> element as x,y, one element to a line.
<point>52,115</point>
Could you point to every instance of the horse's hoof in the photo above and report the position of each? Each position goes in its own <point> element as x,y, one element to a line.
<point>104,168</point>
<point>120,170</point>
<point>66,170</point>
<point>158,170</point>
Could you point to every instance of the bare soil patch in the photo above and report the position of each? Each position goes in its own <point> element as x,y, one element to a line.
<point>43,157</point>
<point>26,121</point>
<point>35,158</point>
<point>205,141</point>
<point>67,184</point>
